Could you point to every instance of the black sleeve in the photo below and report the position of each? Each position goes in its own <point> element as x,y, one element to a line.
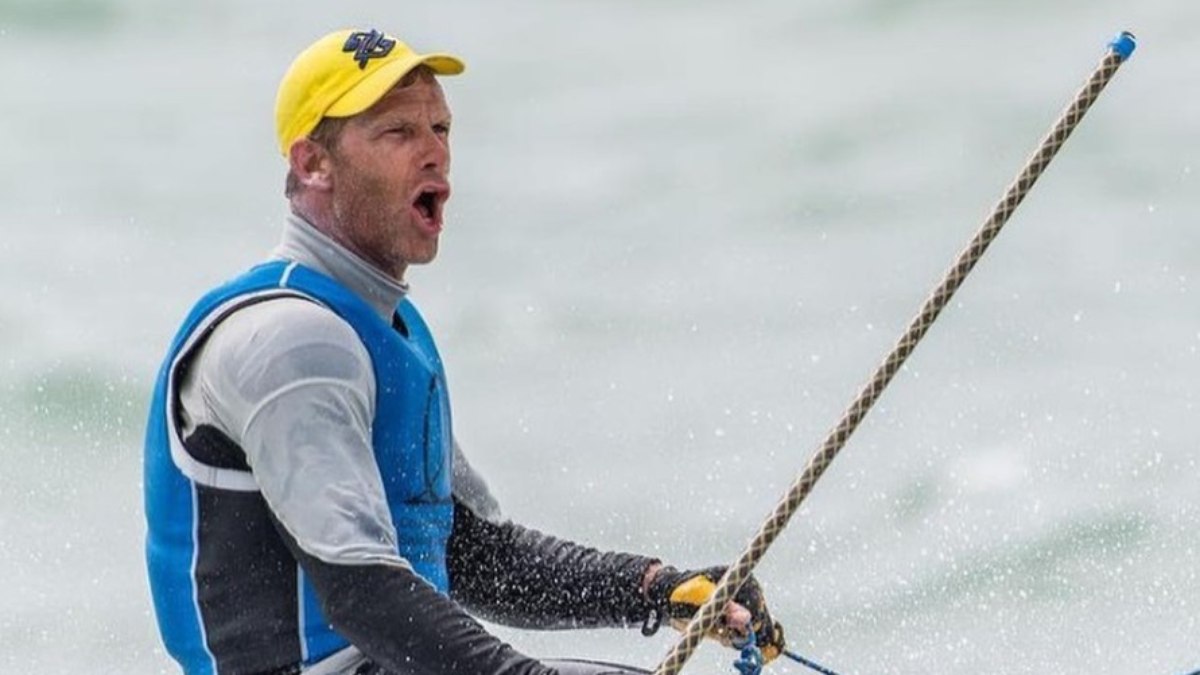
<point>401,623</point>
<point>520,577</point>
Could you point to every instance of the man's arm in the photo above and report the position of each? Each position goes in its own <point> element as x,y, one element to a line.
<point>398,620</point>
<point>521,577</point>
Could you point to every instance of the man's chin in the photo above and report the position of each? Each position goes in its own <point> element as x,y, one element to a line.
<point>426,255</point>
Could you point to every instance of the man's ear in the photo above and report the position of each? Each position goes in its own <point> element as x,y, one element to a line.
<point>312,165</point>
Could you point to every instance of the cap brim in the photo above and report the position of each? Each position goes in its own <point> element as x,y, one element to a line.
<point>374,86</point>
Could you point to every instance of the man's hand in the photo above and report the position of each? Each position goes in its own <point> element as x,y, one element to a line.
<point>677,596</point>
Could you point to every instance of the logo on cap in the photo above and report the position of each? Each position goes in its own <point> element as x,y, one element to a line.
<point>367,46</point>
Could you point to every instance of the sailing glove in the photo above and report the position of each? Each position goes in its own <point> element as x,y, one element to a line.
<point>677,595</point>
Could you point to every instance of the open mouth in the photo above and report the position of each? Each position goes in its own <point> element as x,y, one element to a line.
<point>428,204</point>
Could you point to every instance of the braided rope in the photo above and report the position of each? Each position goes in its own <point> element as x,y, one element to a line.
<point>737,573</point>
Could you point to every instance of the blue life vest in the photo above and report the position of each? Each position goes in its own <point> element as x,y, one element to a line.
<point>411,435</point>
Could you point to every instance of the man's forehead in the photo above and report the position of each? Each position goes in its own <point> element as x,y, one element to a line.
<point>421,92</point>
<point>417,92</point>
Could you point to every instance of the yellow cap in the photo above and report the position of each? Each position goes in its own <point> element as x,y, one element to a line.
<point>343,74</point>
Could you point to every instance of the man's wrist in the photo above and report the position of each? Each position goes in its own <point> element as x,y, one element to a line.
<point>648,578</point>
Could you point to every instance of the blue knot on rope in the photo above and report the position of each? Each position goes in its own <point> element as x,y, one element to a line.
<point>750,661</point>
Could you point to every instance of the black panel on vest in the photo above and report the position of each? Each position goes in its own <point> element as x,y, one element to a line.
<point>211,447</point>
<point>399,325</point>
<point>246,583</point>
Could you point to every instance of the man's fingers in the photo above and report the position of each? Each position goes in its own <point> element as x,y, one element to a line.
<point>736,619</point>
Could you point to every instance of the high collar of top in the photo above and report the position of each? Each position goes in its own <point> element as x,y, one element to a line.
<point>308,246</point>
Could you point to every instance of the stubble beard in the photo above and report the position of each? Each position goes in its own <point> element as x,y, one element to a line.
<point>365,212</point>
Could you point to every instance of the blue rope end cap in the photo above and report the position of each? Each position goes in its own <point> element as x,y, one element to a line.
<point>1123,45</point>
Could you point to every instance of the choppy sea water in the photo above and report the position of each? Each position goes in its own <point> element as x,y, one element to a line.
<point>682,235</point>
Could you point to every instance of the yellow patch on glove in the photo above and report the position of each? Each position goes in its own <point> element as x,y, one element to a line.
<point>695,591</point>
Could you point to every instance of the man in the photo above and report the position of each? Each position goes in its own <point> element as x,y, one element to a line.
<point>307,506</point>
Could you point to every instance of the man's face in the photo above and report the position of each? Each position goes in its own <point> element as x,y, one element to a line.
<point>390,170</point>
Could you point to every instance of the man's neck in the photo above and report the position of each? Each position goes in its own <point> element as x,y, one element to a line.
<point>307,245</point>
<point>321,220</point>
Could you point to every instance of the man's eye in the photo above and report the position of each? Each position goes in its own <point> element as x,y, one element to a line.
<point>403,130</point>
<point>441,129</point>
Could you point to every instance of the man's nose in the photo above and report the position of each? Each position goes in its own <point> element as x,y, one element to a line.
<point>437,151</point>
